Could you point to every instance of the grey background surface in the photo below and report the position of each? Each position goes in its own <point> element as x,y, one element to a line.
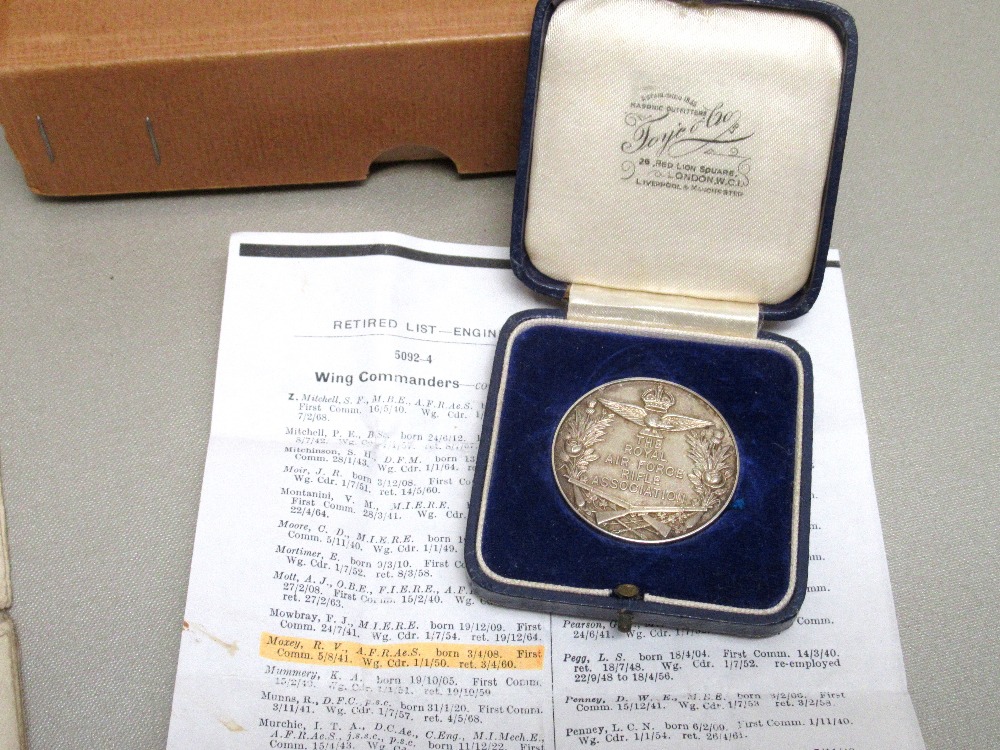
<point>109,318</point>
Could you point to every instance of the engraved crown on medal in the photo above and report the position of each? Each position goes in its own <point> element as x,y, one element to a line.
<point>658,399</point>
<point>655,419</point>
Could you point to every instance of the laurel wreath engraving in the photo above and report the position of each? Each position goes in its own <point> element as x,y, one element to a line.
<point>583,432</point>
<point>714,466</point>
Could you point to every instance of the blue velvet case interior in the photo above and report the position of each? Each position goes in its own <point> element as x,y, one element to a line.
<point>529,534</point>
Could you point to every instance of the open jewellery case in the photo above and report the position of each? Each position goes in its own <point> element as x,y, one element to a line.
<point>646,449</point>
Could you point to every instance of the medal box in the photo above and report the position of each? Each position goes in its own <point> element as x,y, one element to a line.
<point>646,449</point>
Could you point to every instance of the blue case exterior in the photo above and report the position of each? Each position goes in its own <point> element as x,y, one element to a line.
<point>516,556</point>
<point>837,18</point>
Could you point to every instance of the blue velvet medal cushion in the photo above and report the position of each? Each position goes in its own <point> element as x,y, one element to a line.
<point>747,562</point>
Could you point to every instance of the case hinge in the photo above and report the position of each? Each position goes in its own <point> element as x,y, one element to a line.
<point>595,304</point>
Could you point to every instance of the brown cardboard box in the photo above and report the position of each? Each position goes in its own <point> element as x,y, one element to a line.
<point>98,96</point>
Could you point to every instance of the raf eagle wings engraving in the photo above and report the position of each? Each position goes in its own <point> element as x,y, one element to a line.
<point>655,419</point>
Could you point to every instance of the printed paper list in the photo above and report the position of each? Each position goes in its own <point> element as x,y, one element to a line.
<point>328,605</point>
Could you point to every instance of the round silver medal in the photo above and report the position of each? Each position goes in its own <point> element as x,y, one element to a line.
<point>645,460</point>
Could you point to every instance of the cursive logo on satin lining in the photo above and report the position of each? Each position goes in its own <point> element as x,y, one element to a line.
<point>674,141</point>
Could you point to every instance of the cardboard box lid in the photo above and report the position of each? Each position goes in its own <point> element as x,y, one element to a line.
<point>57,33</point>
<point>176,95</point>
